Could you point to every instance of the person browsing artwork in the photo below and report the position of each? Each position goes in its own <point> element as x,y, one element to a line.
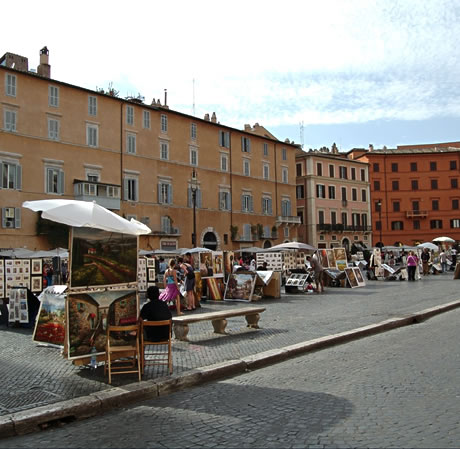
<point>155,310</point>
<point>189,281</point>
<point>171,291</point>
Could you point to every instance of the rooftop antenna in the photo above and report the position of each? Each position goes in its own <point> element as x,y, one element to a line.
<point>193,106</point>
<point>301,134</point>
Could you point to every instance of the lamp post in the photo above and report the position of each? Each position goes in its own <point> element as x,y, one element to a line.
<point>379,205</point>
<point>194,188</point>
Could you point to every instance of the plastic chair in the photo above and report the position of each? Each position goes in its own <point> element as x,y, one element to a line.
<point>123,358</point>
<point>159,357</point>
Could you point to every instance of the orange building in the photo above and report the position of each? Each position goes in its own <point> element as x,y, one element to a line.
<point>414,193</point>
<point>144,161</point>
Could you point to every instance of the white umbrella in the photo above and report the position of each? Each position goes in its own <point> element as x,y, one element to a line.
<point>428,245</point>
<point>444,239</point>
<point>17,253</point>
<point>86,214</point>
<point>292,245</point>
<point>195,250</point>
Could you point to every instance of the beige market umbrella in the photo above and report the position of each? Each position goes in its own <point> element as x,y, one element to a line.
<point>444,240</point>
<point>292,245</point>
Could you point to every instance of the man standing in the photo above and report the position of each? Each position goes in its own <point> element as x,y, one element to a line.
<point>425,261</point>
<point>318,272</point>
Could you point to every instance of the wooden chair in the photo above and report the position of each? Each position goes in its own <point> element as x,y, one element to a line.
<point>124,358</point>
<point>159,357</point>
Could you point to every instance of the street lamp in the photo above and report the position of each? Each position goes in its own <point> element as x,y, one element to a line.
<point>194,188</point>
<point>379,205</point>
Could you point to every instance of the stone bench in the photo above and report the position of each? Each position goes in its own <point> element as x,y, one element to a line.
<point>218,319</point>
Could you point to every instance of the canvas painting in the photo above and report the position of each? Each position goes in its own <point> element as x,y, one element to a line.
<point>359,277</point>
<point>218,263</point>
<point>206,264</point>
<point>323,258</point>
<point>240,287</point>
<point>36,266</point>
<point>102,258</point>
<point>89,313</point>
<point>340,258</point>
<point>229,257</point>
<point>331,258</point>
<point>50,324</point>
<point>351,277</point>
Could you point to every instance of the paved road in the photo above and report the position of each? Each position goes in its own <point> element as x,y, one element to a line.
<point>397,389</point>
<point>33,375</point>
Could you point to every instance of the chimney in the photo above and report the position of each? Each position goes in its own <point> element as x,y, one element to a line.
<point>44,69</point>
<point>371,147</point>
<point>213,117</point>
<point>166,97</point>
<point>206,117</point>
<point>247,128</point>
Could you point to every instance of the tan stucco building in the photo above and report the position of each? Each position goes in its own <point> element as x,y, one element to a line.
<point>58,140</point>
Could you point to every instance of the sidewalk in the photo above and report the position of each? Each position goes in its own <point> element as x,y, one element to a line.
<point>39,386</point>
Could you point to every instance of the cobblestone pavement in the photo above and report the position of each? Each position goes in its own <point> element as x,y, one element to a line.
<point>34,375</point>
<point>396,389</point>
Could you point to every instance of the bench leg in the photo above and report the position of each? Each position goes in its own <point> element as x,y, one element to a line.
<point>219,326</point>
<point>253,320</point>
<point>181,331</point>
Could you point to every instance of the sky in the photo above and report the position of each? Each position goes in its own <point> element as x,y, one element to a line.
<point>350,72</point>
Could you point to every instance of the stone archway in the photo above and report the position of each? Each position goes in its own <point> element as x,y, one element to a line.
<point>267,244</point>
<point>346,244</point>
<point>210,240</point>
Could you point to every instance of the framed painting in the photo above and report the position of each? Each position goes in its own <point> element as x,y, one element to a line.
<point>36,266</point>
<point>240,287</point>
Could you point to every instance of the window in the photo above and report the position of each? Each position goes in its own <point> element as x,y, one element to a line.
<point>193,131</point>
<point>435,204</point>
<point>246,231</point>
<point>131,143</point>
<point>286,207</point>
<point>146,119</point>
<point>353,173</point>
<point>319,169</point>
<point>454,183</point>
<point>376,167</point>
<point>394,167</point>
<point>363,195</point>
<point>53,96</point>
<point>198,197</point>
<point>266,171</point>
<point>267,205</point>
<point>396,206</point>
<point>344,218</point>
<point>397,226</point>
<point>413,166</point>
<point>455,204</point>
<point>331,171</point>
<point>224,162</point>
<point>395,185</point>
<point>164,123</point>
<point>354,195</point>
<point>415,206</point>
<point>343,172</point>
<point>363,174</point>
<point>377,186</point>
<point>129,115</point>
<point>9,120</point>
<point>320,191</point>
<point>193,156</point>
<point>378,225</point>
<point>224,139</point>
<point>284,175</point>
<point>265,149</point>
<point>364,221</point>
<point>416,224</point>
<point>246,167</point>
<point>320,217</point>
<point>455,223</point>
<point>434,184</point>
<point>331,192</point>
<point>11,217</point>
<point>436,224</point>
<point>247,204</point>
<point>92,105</point>
<point>54,180</point>
<point>453,165</point>
<point>344,193</point>
<point>165,192</point>
<point>433,166</point>
<point>166,224</point>
<point>10,85</point>
<point>286,232</point>
<point>131,188</point>
<point>92,132</point>
<point>298,169</point>
<point>53,129</point>
<point>245,144</point>
<point>414,184</point>
<point>11,175</point>
<point>164,151</point>
<point>300,215</point>
<point>300,192</point>
<point>333,217</point>
<point>224,200</point>
<point>283,154</point>
<point>378,206</point>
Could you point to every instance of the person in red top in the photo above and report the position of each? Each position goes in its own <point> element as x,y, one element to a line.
<point>412,262</point>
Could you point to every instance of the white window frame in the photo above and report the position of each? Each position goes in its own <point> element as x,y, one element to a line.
<point>92,135</point>
<point>224,200</point>
<point>10,85</point>
<point>11,172</point>
<point>131,141</point>
<point>53,96</point>
<point>245,144</point>
<point>247,203</point>
<point>320,191</point>
<point>283,154</point>
<point>146,119</point>
<point>165,192</point>
<point>286,232</point>
<point>131,188</point>
<point>224,159</point>
<point>194,156</point>
<point>267,205</point>
<point>129,115</point>
<point>164,150</point>
<point>10,118</point>
<point>246,167</point>
<point>54,127</point>
<point>164,123</point>
<point>54,180</point>
<point>265,149</point>
<point>11,217</point>
<point>92,105</point>
<point>193,131</point>
<point>266,171</point>
<point>224,139</point>
<point>286,207</point>
<point>284,175</point>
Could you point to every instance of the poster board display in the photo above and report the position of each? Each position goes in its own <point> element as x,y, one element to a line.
<point>142,272</point>
<point>89,313</point>
<point>50,323</point>
<point>17,307</point>
<point>274,260</point>
<point>331,258</point>
<point>240,287</point>
<point>206,266</point>
<point>218,264</point>
<point>323,258</point>
<point>2,279</point>
<point>102,258</point>
<point>340,256</point>
<point>354,277</point>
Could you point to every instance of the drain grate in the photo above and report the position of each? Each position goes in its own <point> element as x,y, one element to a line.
<point>23,400</point>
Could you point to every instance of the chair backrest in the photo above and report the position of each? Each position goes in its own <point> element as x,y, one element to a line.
<point>155,324</point>
<point>130,328</point>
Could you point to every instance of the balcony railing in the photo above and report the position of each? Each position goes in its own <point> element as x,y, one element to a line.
<point>106,195</point>
<point>326,227</point>
<point>288,220</point>
<point>159,230</point>
<point>416,213</point>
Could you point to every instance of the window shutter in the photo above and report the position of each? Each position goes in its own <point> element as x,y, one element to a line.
<point>125,189</point>
<point>18,177</point>
<point>17,217</point>
<point>288,203</point>
<point>198,198</point>
<point>270,209</point>
<point>49,180</point>
<point>242,143</point>
<point>3,217</point>
<point>251,204</point>
<point>220,199</point>
<point>170,194</point>
<point>242,202</point>
<point>189,197</point>
<point>227,139</point>
<point>61,182</point>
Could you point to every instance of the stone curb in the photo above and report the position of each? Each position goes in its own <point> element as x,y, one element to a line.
<point>96,403</point>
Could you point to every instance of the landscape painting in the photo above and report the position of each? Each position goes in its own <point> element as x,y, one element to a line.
<point>240,287</point>
<point>102,258</point>
<point>50,324</point>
